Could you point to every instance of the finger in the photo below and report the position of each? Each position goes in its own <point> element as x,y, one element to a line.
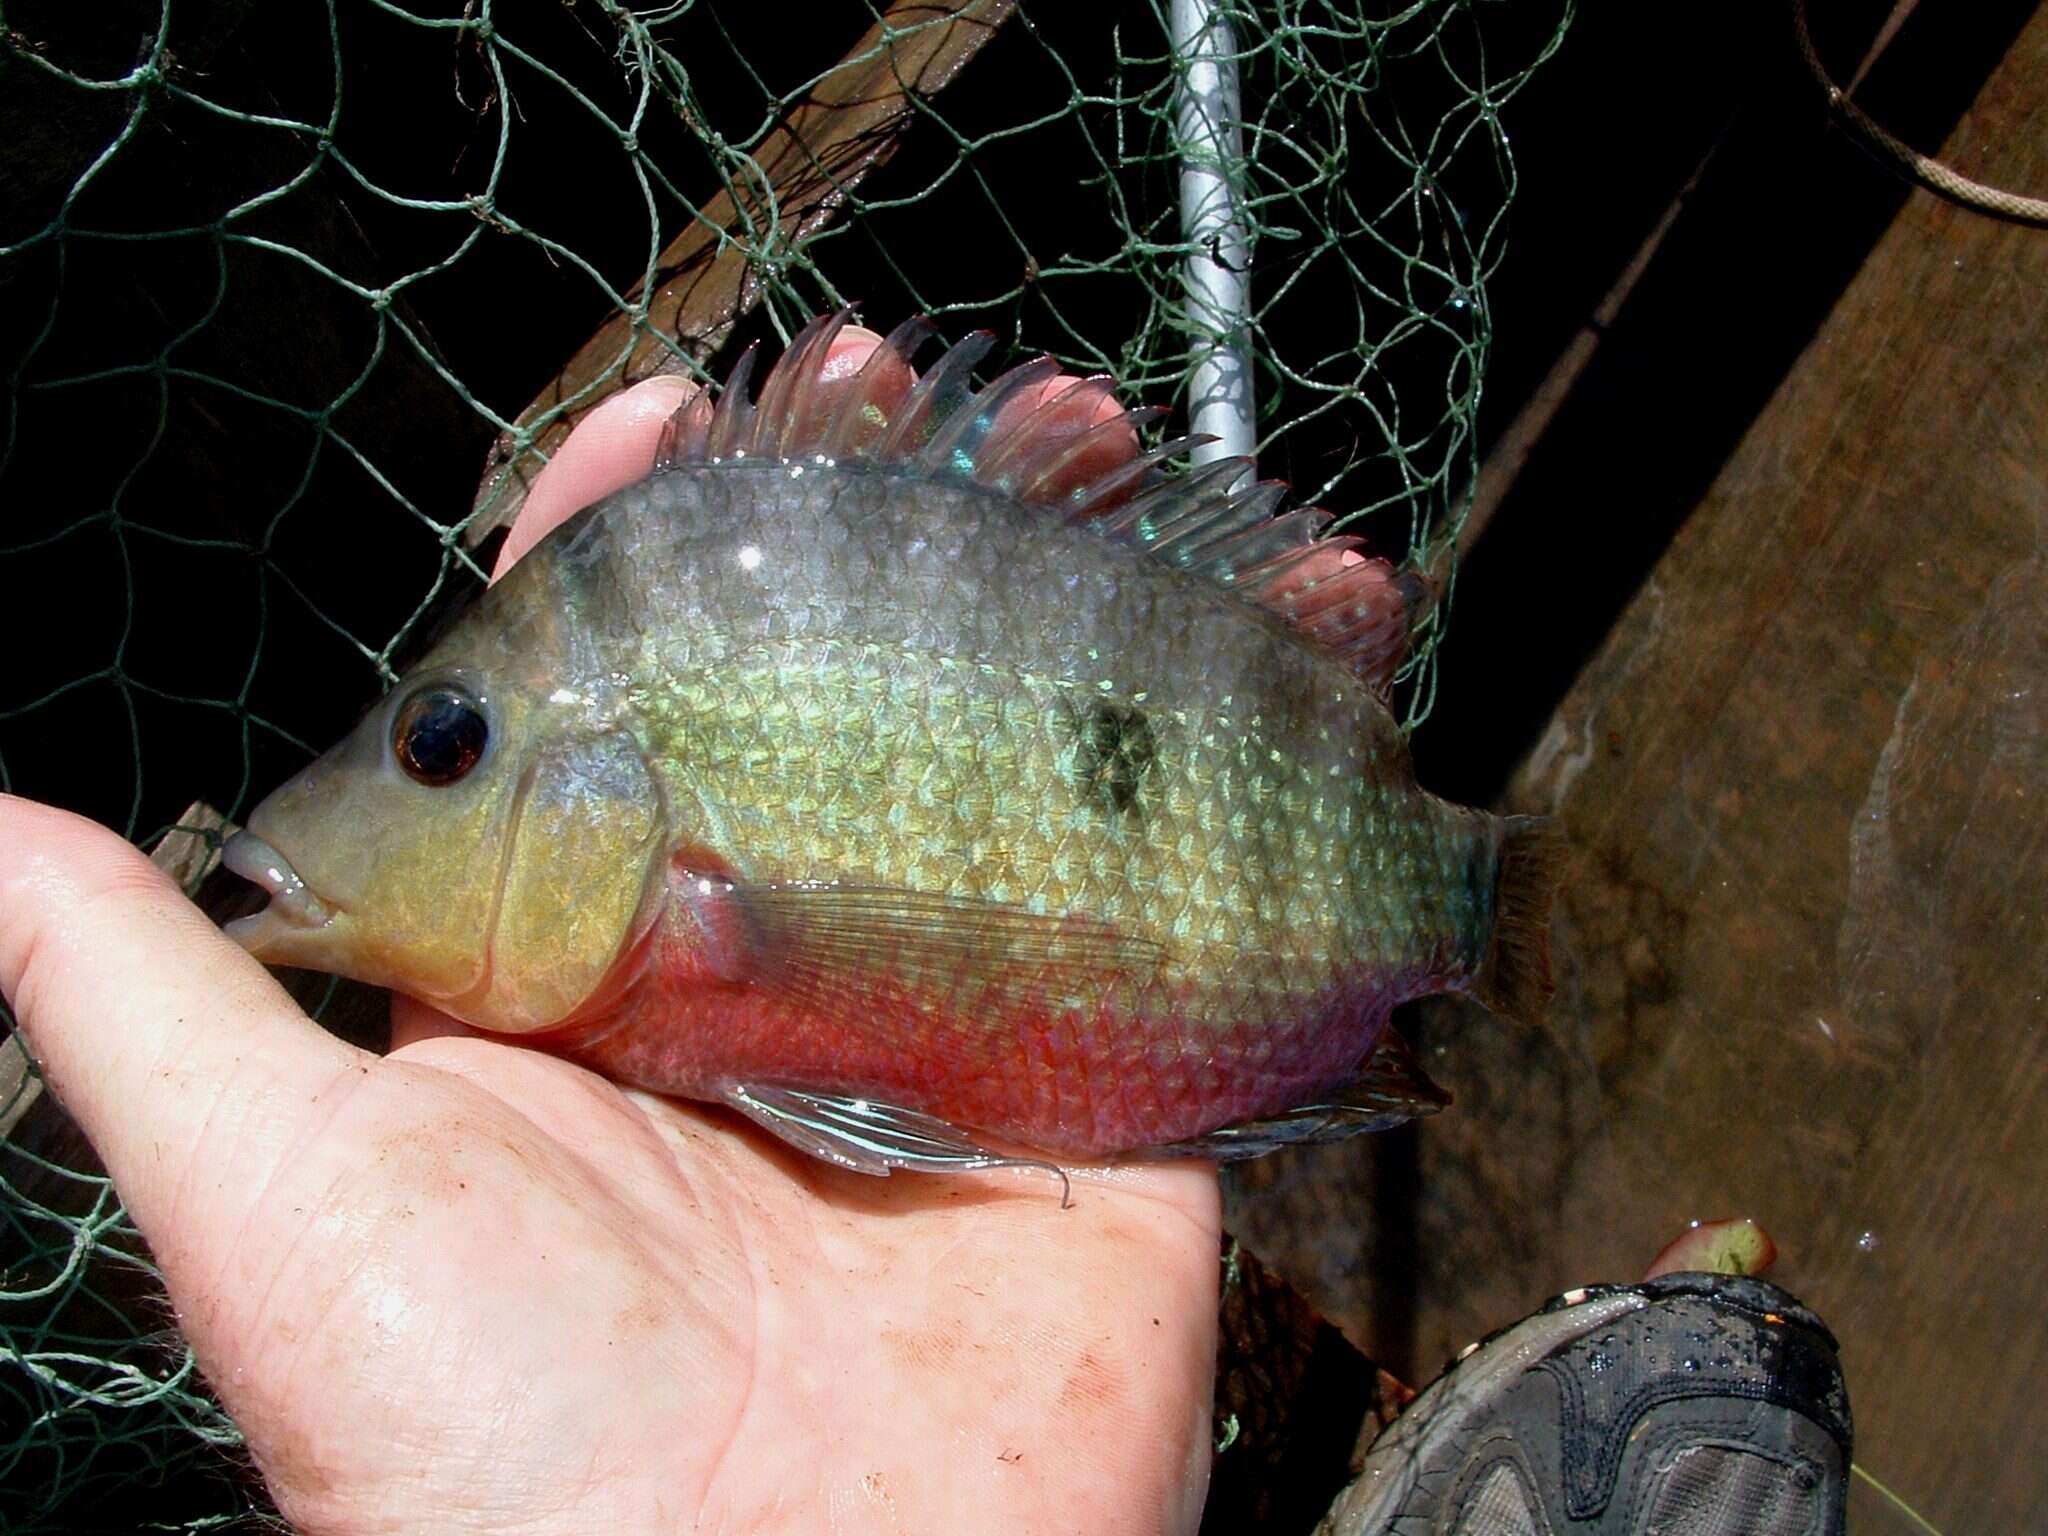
<point>153,1028</point>
<point>1322,564</point>
<point>1067,404</point>
<point>1377,584</point>
<point>611,448</point>
<point>1065,409</point>
<point>614,445</point>
<point>883,387</point>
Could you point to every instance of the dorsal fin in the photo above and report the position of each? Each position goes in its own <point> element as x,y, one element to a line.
<point>1207,521</point>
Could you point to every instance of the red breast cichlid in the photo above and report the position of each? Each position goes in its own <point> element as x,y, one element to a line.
<point>859,771</point>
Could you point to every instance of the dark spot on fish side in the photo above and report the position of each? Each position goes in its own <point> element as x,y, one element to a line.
<point>1115,752</point>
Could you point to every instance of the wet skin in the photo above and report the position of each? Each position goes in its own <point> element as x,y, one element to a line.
<point>464,1286</point>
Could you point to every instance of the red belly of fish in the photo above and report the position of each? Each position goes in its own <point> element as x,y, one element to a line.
<point>1081,1083</point>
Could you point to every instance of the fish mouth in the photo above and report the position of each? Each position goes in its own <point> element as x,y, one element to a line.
<point>293,906</point>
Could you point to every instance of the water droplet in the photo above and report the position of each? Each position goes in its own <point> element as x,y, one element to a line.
<point>1867,1243</point>
<point>1598,1362</point>
<point>1688,1363</point>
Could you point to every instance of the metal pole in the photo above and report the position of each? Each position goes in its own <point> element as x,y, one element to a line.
<point>1208,118</point>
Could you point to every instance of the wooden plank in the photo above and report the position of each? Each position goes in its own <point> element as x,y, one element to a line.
<point>848,127</point>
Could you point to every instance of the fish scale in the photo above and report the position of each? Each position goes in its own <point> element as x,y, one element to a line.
<point>763,730</point>
<point>912,816</point>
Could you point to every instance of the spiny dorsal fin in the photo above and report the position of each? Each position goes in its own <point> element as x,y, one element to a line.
<point>1348,605</point>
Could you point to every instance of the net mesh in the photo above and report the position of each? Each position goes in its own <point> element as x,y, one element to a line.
<point>277,282</point>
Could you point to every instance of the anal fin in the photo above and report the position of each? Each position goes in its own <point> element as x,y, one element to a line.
<point>868,1136</point>
<point>1390,1089</point>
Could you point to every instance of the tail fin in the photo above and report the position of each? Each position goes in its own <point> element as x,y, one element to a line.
<point>1515,981</point>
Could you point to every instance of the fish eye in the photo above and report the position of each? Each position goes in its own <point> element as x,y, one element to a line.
<point>439,735</point>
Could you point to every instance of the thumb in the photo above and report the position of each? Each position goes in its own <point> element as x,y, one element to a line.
<point>155,1031</point>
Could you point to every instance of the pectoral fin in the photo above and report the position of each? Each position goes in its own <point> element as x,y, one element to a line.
<point>846,951</point>
<point>867,1136</point>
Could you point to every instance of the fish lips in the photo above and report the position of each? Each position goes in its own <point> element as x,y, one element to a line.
<point>279,931</point>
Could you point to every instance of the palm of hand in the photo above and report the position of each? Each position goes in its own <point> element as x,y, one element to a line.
<point>491,1285</point>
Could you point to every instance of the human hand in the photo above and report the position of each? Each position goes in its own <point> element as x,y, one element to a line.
<point>464,1286</point>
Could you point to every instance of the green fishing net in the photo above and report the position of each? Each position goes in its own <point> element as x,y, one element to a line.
<point>278,282</point>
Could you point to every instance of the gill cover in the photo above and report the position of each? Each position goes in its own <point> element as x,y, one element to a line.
<point>580,883</point>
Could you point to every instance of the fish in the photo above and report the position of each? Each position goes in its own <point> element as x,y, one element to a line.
<point>874,771</point>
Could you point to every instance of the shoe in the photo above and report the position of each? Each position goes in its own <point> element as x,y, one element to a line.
<point>1689,1405</point>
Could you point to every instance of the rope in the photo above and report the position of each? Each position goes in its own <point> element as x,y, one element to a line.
<point>1930,173</point>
